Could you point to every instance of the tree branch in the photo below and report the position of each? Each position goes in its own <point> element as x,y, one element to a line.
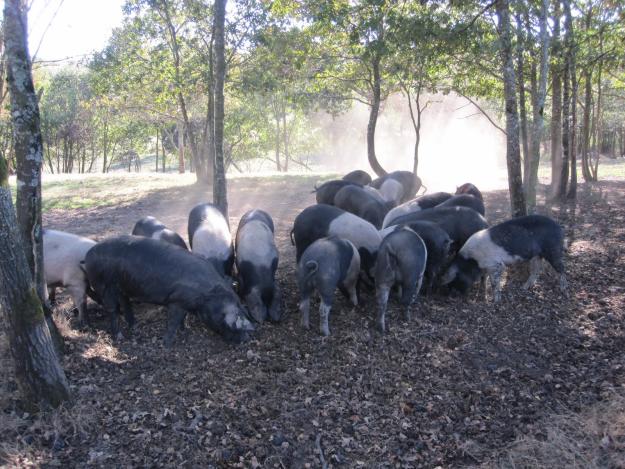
<point>483,113</point>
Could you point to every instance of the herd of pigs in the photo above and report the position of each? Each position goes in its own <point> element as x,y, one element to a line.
<point>362,232</point>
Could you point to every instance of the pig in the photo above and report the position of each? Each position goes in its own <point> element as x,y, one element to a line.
<point>150,227</point>
<point>392,191</point>
<point>356,200</point>
<point>458,222</point>
<point>326,264</point>
<point>209,237</point>
<point>325,193</point>
<point>126,268</point>
<point>437,243</point>
<point>257,262</point>
<point>257,214</point>
<point>409,181</point>
<point>319,221</point>
<point>62,254</point>
<point>415,205</point>
<point>465,200</point>
<point>373,192</point>
<point>358,176</point>
<point>469,188</point>
<point>401,261</point>
<point>488,251</point>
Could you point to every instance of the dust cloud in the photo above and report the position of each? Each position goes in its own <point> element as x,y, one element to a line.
<point>458,144</point>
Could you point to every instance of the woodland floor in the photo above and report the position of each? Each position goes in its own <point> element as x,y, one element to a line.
<point>460,385</point>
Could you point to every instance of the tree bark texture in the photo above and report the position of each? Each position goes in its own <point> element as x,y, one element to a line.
<point>556,101</point>
<point>522,102</point>
<point>538,106</point>
<point>571,63</point>
<point>513,151</point>
<point>27,147</point>
<point>180,148</point>
<point>373,117</point>
<point>220,190</point>
<point>40,377</point>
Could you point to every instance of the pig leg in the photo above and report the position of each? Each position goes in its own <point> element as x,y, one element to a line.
<point>110,301</point>
<point>126,308</point>
<point>304,307</point>
<point>558,266</point>
<point>382,293</point>
<point>494,274</point>
<point>80,301</point>
<point>275,313</point>
<point>535,268</point>
<point>175,317</point>
<point>324,313</point>
<point>348,288</point>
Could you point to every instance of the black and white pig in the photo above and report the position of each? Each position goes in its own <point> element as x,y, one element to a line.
<point>150,227</point>
<point>530,238</point>
<point>327,264</point>
<point>259,215</point>
<point>325,193</point>
<point>410,183</point>
<point>147,270</point>
<point>62,254</point>
<point>357,200</point>
<point>420,203</point>
<point>401,261</point>
<point>437,243</point>
<point>257,262</point>
<point>471,189</point>
<point>392,191</point>
<point>209,237</point>
<point>465,200</point>
<point>358,176</point>
<point>320,221</point>
<point>458,222</point>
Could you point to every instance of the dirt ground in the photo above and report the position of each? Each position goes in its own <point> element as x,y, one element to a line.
<point>455,387</point>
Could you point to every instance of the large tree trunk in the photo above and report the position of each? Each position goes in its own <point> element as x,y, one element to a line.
<point>28,149</point>
<point>586,166</point>
<point>513,151</point>
<point>566,132</point>
<point>39,374</point>
<point>220,190</point>
<point>522,102</point>
<point>538,106</point>
<point>571,59</point>
<point>373,117</point>
<point>556,103</point>
<point>285,132</point>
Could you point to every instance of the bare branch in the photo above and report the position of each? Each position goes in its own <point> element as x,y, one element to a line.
<point>484,113</point>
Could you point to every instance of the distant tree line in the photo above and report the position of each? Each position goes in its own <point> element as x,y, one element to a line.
<point>150,90</point>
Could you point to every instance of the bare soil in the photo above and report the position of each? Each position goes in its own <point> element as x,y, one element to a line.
<point>454,387</point>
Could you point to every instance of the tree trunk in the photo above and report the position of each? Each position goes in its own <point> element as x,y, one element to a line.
<point>373,117</point>
<point>156,152</point>
<point>180,148</point>
<point>286,142</point>
<point>28,149</point>
<point>278,165</point>
<point>571,61</point>
<point>220,190</point>
<point>39,374</point>
<point>522,105</point>
<point>556,103</point>
<point>163,152</point>
<point>538,106</point>
<point>566,130</point>
<point>513,151</point>
<point>416,123</point>
<point>586,167</point>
